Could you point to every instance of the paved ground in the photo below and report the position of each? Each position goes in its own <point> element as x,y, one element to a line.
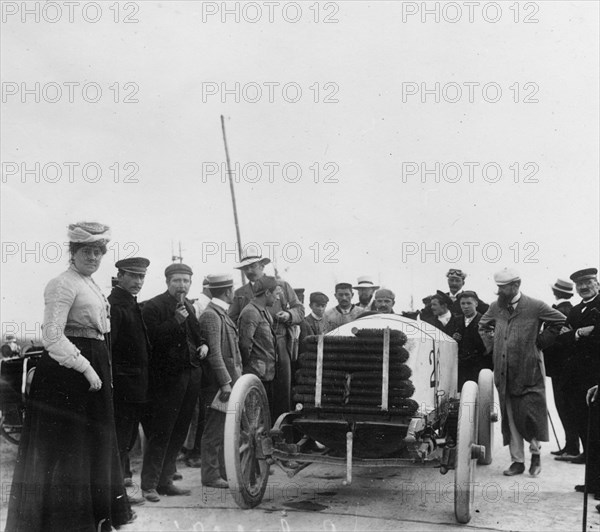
<point>378,499</point>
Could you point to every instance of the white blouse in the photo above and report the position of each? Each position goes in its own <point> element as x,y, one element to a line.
<point>74,306</point>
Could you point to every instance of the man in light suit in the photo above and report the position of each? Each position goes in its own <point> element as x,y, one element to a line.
<point>224,368</point>
<point>519,372</point>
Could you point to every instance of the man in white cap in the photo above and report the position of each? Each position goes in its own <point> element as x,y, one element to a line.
<point>224,368</point>
<point>518,366</point>
<point>286,311</point>
<point>366,289</point>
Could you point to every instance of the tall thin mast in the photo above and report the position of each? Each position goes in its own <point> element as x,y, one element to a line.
<point>235,215</point>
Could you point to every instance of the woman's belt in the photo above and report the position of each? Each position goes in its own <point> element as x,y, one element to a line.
<point>84,332</point>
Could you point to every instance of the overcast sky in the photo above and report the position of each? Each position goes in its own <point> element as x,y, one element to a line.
<point>337,99</point>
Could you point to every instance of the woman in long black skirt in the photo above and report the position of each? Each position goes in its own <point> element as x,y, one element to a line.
<point>68,475</point>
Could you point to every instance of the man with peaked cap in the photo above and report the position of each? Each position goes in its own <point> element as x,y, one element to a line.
<point>312,325</point>
<point>130,351</point>
<point>555,357</point>
<point>456,282</point>
<point>175,373</point>
<point>384,300</point>
<point>582,370</point>
<point>344,311</point>
<point>519,372</point>
<point>258,342</point>
<point>365,288</point>
<point>223,368</point>
<point>286,312</point>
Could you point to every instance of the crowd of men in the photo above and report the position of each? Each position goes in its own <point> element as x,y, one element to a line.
<point>175,360</point>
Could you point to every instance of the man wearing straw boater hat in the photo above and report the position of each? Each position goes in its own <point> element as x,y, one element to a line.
<point>365,288</point>
<point>519,367</point>
<point>554,360</point>
<point>223,369</point>
<point>286,312</point>
<point>583,371</point>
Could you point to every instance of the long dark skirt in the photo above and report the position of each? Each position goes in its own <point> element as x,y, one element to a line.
<point>68,476</point>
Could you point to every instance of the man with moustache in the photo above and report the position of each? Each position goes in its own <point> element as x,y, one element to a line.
<point>582,370</point>
<point>518,366</point>
<point>224,367</point>
<point>175,373</point>
<point>384,301</point>
<point>286,312</point>
<point>345,311</point>
<point>130,351</point>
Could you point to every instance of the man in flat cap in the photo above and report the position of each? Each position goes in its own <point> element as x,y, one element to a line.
<point>258,342</point>
<point>582,370</point>
<point>555,357</point>
<point>456,283</point>
<point>312,325</point>
<point>365,287</point>
<point>130,353</point>
<point>223,368</point>
<point>344,311</point>
<point>440,304</point>
<point>519,366</point>
<point>472,356</point>
<point>286,312</point>
<point>175,372</point>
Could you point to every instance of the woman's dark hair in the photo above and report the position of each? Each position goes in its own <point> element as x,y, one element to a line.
<point>74,247</point>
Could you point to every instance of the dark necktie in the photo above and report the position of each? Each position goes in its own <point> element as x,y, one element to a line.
<point>510,308</point>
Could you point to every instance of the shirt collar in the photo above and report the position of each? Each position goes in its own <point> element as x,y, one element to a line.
<point>315,317</point>
<point>220,303</point>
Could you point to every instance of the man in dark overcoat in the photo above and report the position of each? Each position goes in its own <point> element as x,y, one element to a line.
<point>583,369</point>
<point>519,372</point>
<point>223,368</point>
<point>175,373</point>
<point>287,311</point>
<point>130,351</point>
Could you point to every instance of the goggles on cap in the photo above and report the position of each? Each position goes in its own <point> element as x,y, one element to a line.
<point>455,272</point>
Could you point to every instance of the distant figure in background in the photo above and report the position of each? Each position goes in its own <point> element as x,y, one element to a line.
<point>555,357</point>
<point>224,368</point>
<point>10,349</point>
<point>345,311</point>
<point>384,301</point>
<point>68,473</point>
<point>519,366</point>
<point>472,356</point>
<point>130,355</point>
<point>313,324</point>
<point>365,288</point>
<point>440,308</point>
<point>456,283</point>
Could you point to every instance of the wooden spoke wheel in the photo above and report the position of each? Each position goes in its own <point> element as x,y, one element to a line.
<point>247,422</point>
<point>487,415</point>
<point>466,452</point>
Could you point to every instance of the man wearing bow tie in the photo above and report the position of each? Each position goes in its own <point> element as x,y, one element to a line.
<point>519,372</point>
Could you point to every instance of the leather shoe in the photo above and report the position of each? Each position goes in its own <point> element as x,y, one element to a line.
<point>566,457</point>
<point>598,507</point>
<point>218,483</point>
<point>579,459</point>
<point>560,452</point>
<point>536,465</point>
<point>193,462</point>
<point>580,488</point>
<point>516,468</point>
<point>135,501</point>
<point>171,489</point>
<point>151,495</point>
<point>128,482</point>
<point>177,476</point>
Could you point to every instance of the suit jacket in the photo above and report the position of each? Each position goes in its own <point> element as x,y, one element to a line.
<point>288,301</point>
<point>258,342</point>
<point>555,355</point>
<point>470,346</point>
<point>224,361</point>
<point>456,310</point>
<point>334,317</point>
<point>130,348</point>
<point>173,345</point>
<point>583,361</point>
<point>433,320</point>
<point>310,327</point>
